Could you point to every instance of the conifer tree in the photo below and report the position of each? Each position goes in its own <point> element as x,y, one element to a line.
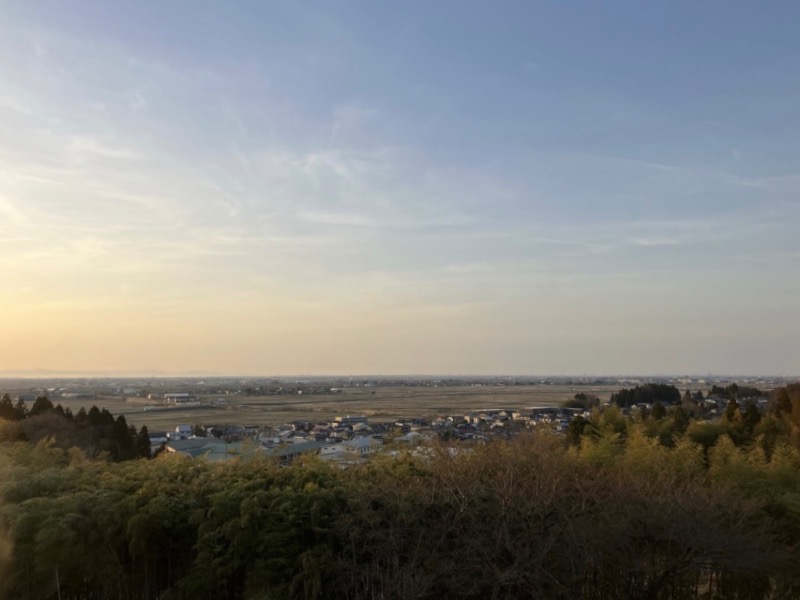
<point>143,443</point>
<point>7,410</point>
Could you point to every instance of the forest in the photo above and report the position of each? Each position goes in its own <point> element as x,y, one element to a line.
<point>651,506</point>
<point>95,431</point>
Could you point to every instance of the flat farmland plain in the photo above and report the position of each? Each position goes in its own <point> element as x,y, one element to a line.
<point>379,403</point>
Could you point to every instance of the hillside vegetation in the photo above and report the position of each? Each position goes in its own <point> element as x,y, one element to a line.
<point>648,507</point>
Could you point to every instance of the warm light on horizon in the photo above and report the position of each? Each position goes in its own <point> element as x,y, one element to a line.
<point>313,196</point>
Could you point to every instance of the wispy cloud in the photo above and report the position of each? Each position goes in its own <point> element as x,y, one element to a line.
<point>10,212</point>
<point>94,146</point>
<point>340,180</point>
<point>323,218</point>
<point>353,117</point>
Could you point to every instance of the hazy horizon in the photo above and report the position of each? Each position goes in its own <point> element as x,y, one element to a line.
<point>456,187</point>
<point>49,374</point>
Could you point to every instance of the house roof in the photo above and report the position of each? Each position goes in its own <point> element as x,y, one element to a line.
<point>210,449</point>
<point>361,442</point>
<point>294,449</point>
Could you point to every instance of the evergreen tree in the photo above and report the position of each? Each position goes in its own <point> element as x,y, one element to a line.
<point>41,406</point>
<point>680,419</point>
<point>122,443</point>
<point>143,443</point>
<point>21,408</point>
<point>658,412</point>
<point>751,417</point>
<point>95,418</point>
<point>648,393</point>
<point>575,430</point>
<point>7,410</point>
<point>162,449</point>
<point>732,411</point>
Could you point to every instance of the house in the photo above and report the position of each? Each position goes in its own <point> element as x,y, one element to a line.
<point>182,432</point>
<point>250,431</point>
<point>348,421</point>
<point>287,454</point>
<point>207,448</point>
<point>179,398</point>
<point>361,427</point>
<point>350,449</point>
<point>362,446</point>
<point>158,437</point>
<point>412,437</point>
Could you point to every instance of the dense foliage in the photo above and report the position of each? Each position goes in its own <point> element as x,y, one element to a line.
<point>649,393</point>
<point>584,401</point>
<point>95,431</point>
<point>623,511</point>
<point>735,392</point>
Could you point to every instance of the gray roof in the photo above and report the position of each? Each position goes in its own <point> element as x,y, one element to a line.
<point>209,448</point>
<point>294,449</point>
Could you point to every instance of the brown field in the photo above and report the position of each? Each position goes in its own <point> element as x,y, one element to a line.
<point>381,404</point>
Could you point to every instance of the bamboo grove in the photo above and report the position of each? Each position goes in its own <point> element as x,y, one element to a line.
<point>616,510</point>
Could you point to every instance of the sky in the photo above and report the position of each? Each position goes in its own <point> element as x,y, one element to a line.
<point>450,187</point>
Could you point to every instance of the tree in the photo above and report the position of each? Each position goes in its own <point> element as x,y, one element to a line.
<point>576,429</point>
<point>162,449</point>
<point>658,412</point>
<point>706,434</point>
<point>7,410</point>
<point>648,393</point>
<point>584,401</point>
<point>612,422</point>
<point>121,439</point>
<point>21,408</point>
<point>49,425</point>
<point>732,411</point>
<point>751,417</point>
<point>41,406</point>
<point>95,417</point>
<point>143,443</point>
<point>680,418</point>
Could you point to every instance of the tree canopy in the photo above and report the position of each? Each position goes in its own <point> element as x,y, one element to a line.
<point>648,393</point>
<point>660,507</point>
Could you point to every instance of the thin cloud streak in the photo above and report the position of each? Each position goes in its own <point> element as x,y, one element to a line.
<point>379,196</point>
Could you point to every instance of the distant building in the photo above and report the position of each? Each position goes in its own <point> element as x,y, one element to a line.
<point>179,397</point>
<point>158,437</point>
<point>182,432</point>
<point>349,421</point>
<point>350,449</point>
<point>209,449</point>
<point>286,454</point>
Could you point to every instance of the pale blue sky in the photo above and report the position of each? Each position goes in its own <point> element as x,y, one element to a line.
<point>415,187</point>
